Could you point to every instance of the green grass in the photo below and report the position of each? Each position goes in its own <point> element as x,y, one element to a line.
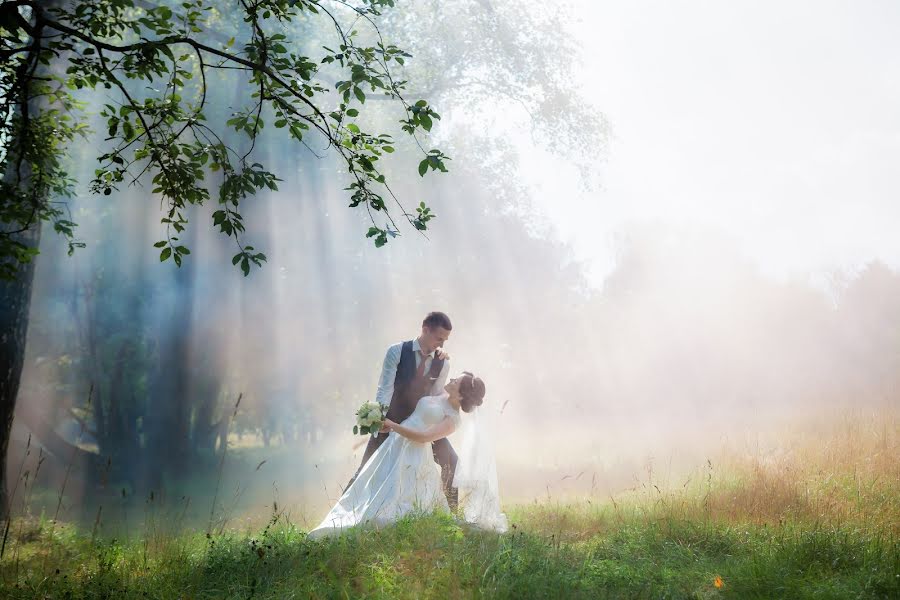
<point>822,520</point>
<point>638,555</point>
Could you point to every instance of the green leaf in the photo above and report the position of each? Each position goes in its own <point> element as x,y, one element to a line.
<point>165,254</point>
<point>423,167</point>
<point>359,94</point>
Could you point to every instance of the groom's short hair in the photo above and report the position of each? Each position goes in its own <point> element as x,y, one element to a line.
<point>437,319</point>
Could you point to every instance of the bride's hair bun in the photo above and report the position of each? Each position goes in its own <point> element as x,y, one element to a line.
<point>471,389</point>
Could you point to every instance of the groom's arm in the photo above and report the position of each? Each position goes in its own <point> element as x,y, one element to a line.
<point>388,375</point>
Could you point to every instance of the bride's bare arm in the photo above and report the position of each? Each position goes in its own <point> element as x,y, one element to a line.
<point>435,432</point>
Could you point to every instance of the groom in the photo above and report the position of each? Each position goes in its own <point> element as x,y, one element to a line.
<point>412,370</point>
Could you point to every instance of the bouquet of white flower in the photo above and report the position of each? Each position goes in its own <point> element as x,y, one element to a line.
<point>369,418</point>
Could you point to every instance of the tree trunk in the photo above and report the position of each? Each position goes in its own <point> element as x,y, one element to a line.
<point>15,301</point>
<point>204,427</point>
<point>98,378</point>
<point>169,411</point>
<point>15,295</point>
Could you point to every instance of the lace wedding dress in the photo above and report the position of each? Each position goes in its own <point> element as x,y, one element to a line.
<point>401,477</point>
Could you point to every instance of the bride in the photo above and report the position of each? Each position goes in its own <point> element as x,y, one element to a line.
<point>401,476</point>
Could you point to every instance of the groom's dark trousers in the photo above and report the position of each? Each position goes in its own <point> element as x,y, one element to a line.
<point>409,386</point>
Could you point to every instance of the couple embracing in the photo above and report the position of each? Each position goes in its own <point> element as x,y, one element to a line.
<point>410,465</point>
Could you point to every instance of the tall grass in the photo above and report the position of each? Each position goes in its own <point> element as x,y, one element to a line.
<point>814,518</point>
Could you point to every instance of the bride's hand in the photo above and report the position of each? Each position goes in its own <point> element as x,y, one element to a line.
<point>387,426</point>
<point>442,354</point>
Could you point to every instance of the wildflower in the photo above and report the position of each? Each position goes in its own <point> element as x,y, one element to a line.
<point>718,582</point>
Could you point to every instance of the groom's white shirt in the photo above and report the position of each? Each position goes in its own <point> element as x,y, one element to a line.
<point>389,372</point>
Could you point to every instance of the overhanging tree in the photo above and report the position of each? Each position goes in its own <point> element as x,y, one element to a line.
<point>53,52</point>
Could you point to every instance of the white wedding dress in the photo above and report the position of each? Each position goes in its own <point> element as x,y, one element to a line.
<point>401,477</point>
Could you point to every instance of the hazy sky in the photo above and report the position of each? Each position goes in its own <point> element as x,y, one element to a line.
<point>778,122</point>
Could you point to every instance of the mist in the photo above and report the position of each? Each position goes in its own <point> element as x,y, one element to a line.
<point>628,299</point>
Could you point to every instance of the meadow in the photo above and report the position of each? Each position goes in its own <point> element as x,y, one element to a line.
<point>820,518</point>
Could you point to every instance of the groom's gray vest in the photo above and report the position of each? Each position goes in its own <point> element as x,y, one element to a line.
<point>407,387</point>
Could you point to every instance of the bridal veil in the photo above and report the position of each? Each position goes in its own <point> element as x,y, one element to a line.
<point>476,473</point>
